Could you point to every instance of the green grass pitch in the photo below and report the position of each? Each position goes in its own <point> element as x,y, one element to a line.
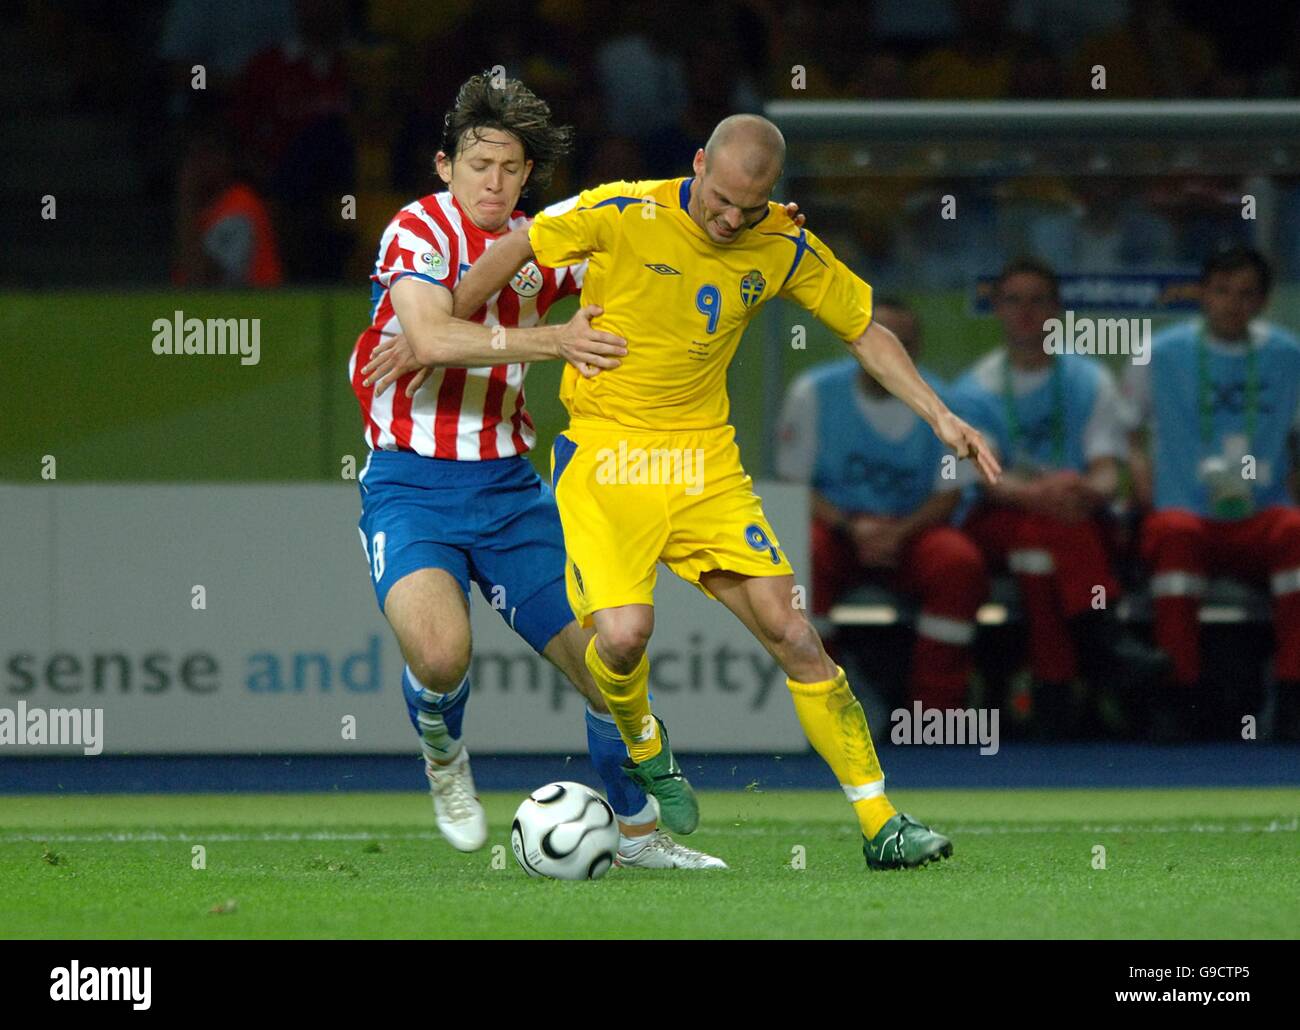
<point>1178,864</point>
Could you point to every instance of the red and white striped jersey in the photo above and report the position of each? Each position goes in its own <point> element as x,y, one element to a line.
<point>464,414</point>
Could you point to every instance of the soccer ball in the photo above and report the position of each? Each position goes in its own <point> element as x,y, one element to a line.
<point>565,831</point>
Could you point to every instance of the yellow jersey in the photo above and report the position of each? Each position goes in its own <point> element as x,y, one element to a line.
<point>680,300</point>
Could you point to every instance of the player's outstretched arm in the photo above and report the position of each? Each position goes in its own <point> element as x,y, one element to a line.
<point>431,337</point>
<point>436,338</point>
<point>884,358</point>
<point>492,271</point>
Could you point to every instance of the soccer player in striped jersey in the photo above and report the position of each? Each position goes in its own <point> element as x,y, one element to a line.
<point>447,495</point>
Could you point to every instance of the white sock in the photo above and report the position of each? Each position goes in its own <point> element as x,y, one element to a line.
<point>631,846</point>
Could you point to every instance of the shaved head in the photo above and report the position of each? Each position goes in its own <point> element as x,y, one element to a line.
<point>735,173</point>
<point>752,142</point>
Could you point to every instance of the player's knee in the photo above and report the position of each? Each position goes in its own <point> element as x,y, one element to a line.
<point>622,635</point>
<point>623,645</point>
<point>439,665</point>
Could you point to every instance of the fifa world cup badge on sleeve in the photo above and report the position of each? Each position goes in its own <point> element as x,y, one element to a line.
<point>435,264</point>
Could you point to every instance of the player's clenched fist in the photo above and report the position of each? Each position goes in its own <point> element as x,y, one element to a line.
<point>589,350</point>
<point>968,443</point>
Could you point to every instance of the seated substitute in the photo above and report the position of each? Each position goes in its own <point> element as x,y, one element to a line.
<point>1214,418</point>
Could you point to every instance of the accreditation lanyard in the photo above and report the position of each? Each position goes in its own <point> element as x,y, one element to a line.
<point>1058,411</point>
<point>1205,391</point>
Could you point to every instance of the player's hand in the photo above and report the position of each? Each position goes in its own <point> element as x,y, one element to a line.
<point>968,442</point>
<point>792,209</point>
<point>589,350</point>
<point>391,360</point>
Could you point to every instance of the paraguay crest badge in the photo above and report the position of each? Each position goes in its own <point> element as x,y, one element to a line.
<point>527,282</point>
<point>751,287</point>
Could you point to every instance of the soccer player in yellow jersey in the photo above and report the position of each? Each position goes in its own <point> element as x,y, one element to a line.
<point>648,470</point>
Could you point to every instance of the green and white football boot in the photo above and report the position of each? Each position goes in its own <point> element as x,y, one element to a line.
<point>903,843</point>
<point>662,778</point>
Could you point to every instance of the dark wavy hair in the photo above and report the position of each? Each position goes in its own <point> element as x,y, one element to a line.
<point>508,105</point>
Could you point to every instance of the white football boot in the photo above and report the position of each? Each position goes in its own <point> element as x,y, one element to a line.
<point>456,806</point>
<point>662,852</point>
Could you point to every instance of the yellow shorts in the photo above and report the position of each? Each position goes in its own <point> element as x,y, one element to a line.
<point>632,498</point>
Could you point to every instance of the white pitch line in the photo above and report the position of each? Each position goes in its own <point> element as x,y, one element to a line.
<point>1273,826</point>
<point>977,829</point>
<point>152,836</point>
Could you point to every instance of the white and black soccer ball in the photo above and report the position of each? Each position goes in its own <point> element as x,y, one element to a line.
<point>565,831</point>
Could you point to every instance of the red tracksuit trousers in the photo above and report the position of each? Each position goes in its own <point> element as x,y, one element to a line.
<point>1059,567</point>
<point>1183,550</point>
<point>940,567</point>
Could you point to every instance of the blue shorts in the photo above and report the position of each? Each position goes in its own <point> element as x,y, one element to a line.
<point>494,522</point>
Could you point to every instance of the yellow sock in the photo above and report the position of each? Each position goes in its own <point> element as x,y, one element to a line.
<point>836,726</point>
<point>628,698</point>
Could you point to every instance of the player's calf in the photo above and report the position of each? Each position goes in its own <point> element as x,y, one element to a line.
<point>766,606</point>
<point>626,690</point>
<point>438,717</point>
<point>830,714</point>
<point>632,807</point>
<point>836,726</point>
<point>799,650</point>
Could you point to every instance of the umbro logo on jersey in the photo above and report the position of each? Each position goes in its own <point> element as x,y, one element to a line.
<point>663,269</point>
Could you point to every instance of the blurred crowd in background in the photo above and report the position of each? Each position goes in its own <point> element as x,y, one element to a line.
<point>305,102</point>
